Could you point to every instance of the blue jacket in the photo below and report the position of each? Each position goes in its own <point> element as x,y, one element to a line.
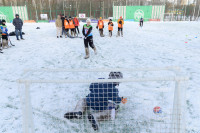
<point>99,95</point>
<point>4,29</point>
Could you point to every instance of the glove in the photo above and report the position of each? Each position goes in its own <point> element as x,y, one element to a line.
<point>103,26</point>
<point>124,100</point>
<point>97,27</point>
<point>120,22</point>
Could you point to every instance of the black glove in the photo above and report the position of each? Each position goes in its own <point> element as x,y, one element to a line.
<point>97,27</point>
<point>120,22</point>
<point>103,26</point>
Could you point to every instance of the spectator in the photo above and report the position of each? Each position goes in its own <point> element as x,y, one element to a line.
<point>18,23</point>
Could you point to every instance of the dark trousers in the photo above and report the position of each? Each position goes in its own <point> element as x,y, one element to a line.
<point>5,37</point>
<point>17,32</point>
<point>63,30</point>
<point>89,40</point>
<point>110,32</point>
<point>76,29</point>
<point>120,29</point>
<point>141,23</point>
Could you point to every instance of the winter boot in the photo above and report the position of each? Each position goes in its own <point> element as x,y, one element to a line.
<point>57,36</point>
<point>73,115</point>
<point>109,34</point>
<point>87,53</point>
<point>118,33</point>
<point>122,33</point>
<point>60,36</point>
<point>102,35</point>
<point>95,50</point>
<point>72,33</point>
<point>75,34</point>
<point>5,44</point>
<point>93,122</point>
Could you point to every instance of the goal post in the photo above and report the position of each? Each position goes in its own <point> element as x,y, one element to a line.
<point>176,118</point>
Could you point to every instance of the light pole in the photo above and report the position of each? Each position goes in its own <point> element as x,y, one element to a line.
<point>50,10</point>
<point>70,10</point>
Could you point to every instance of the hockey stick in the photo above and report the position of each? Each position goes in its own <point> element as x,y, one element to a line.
<point>0,47</point>
<point>1,51</point>
<point>10,41</point>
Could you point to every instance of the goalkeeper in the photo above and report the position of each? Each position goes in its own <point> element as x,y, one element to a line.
<point>101,103</point>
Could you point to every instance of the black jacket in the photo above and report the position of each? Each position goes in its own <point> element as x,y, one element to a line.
<point>18,23</point>
<point>63,19</point>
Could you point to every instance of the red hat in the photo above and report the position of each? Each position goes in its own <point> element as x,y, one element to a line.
<point>121,17</point>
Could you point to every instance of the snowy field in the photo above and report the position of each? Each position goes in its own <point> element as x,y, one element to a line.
<point>157,44</point>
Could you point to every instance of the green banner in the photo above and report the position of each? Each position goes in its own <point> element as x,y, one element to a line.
<point>136,12</point>
<point>6,13</point>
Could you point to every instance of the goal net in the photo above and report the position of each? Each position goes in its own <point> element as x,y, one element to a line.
<point>145,100</point>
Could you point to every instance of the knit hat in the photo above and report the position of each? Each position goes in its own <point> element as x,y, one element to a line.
<point>3,20</point>
<point>115,75</point>
<point>88,20</point>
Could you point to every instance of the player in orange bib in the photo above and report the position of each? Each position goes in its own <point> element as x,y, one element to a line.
<point>72,26</point>
<point>100,25</point>
<point>66,25</point>
<point>120,26</point>
<point>110,27</point>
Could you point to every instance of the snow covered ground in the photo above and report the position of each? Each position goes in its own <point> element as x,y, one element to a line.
<point>157,44</point>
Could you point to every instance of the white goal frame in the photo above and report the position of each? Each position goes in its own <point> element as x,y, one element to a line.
<point>176,126</point>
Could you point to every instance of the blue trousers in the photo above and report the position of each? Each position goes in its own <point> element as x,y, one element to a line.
<point>17,32</point>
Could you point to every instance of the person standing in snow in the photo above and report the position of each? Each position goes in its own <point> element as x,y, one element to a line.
<point>76,21</point>
<point>88,38</point>
<point>59,26</point>
<point>120,26</point>
<point>18,23</point>
<point>4,34</point>
<point>100,25</point>
<point>141,22</point>
<point>66,25</point>
<point>102,102</point>
<point>110,27</point>
<point>63,26</point>
<point>72,26</point>
<point>0,36</point>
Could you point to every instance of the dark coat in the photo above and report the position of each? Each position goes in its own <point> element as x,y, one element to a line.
<point>63,19</point>
<point>18,23</point>
<point>100,94</point>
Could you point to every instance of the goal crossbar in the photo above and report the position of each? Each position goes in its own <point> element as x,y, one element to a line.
<point>107,80</point>
<point>173,68</point>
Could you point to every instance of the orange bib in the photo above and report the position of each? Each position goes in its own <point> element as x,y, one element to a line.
<point>71,24</point>
<point>100,25</point>
<point>110,27</point>
<point>66,24</point>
